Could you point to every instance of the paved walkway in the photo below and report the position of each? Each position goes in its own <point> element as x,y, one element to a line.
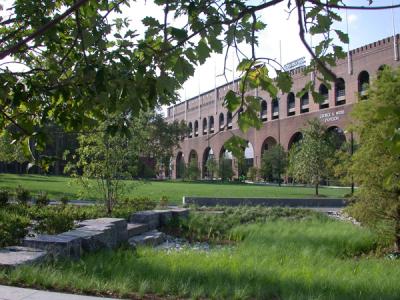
<point>15,293</point>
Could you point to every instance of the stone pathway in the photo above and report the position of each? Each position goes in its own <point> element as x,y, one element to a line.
<point>14,293</point>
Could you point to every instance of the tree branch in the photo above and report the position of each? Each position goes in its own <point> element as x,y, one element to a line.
<point>307,46</point>
<point>42,29</point>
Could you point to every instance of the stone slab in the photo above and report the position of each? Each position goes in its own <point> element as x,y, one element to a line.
<point>150,238</point>
<point>16,293</point>
<point>149,217</point>
<point>104,236</point>
<point>90,239</point>
<point>57,246</point>
<point>165,216</point>
<point>136,229</point>
<point>178,212</point>
<point>14,256</point>
<point>119,225</point>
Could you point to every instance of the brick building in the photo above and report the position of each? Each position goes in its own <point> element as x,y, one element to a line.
<point>211,124</point>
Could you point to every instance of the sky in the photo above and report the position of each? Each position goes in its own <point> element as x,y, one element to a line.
<point>364,27</point>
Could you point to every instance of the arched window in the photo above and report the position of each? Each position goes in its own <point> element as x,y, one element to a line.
<point>196,128</point>
<point>323,91</point>
<point>363,84</point>
<point>340,92</point>
<point>229,120</point>
<point>304,103</point>
<point>275,109</point>
<point>190,130</point>
<point>221,122</point>
<point>204,126</point>
<point>211,124</point>
<point>264,111</point>
<point>291,104</point>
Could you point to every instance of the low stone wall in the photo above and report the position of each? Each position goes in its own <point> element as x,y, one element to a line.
<point>270,202</point>
<point>92,235</point>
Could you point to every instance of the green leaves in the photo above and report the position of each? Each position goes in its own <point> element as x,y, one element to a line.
<point>236,145</point>
<point>203,51</point>
<point>284,81</point>
<point>232,101</point>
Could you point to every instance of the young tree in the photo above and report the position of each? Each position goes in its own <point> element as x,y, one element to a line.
<point>192,170</point>
<point>376,164</point>
<point>225,170</point>
<point>274,163</point>
<point>153,137</point>
<point>108,160</point>
<point>212,167</point>
<point>308,158</point>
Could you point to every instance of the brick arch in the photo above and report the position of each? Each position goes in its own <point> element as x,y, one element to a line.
<point>179,164</point>
<point>295,138</point>
<point>269,142</point>
<point>207,153</point>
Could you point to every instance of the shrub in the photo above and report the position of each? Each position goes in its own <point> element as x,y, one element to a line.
<point>125,207</point>
<point>42,199</point>
<point>22,195</point>
<point>4,196</point>
<point>64,200</point>
<point>13,227</point>
<point>52,220</point>
<point>252,174</point>
<point>163,201</point>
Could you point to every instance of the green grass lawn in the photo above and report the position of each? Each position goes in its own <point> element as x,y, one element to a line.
<point>317,258</point>
<point>58,186</point>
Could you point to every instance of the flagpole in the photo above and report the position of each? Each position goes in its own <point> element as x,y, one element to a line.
<point>215,86</point>
<point>199,98</point>
<point>395,47</point>
<point>349,67</point>
<point>186,103</point>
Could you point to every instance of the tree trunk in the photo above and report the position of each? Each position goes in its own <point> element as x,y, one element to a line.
<point>397,229</point>
<point>316,189</point>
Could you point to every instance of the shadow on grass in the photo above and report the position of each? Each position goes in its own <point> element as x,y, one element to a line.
<point>32,178</point>
<point>217,281</point>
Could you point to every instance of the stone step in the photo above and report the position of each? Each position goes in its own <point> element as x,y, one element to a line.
<point>149,238</point>
<point>11,257</point>
<point>57,246</point>
<point>136,229</point>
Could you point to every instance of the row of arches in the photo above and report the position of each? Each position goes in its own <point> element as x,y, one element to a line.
<point>249,153</point>
<point>340,99</point>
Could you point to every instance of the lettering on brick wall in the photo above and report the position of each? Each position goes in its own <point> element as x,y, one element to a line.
<point>331,116</point>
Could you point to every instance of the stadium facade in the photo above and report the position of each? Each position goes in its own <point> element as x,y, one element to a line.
<point>211,124</point>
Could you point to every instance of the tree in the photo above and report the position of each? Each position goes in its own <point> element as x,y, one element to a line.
<point>212,167</point>
<point>192,170</point>
<point>108,160</point>
<point>225,170</point>
<point>10,152</point>
<point>308,158</point>
<point>274,163</point>
<point>376,164</point>
<point>81,63</point>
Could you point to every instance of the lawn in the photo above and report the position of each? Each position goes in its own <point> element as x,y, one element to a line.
<point>174,190</point>
<point>312,258</point>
